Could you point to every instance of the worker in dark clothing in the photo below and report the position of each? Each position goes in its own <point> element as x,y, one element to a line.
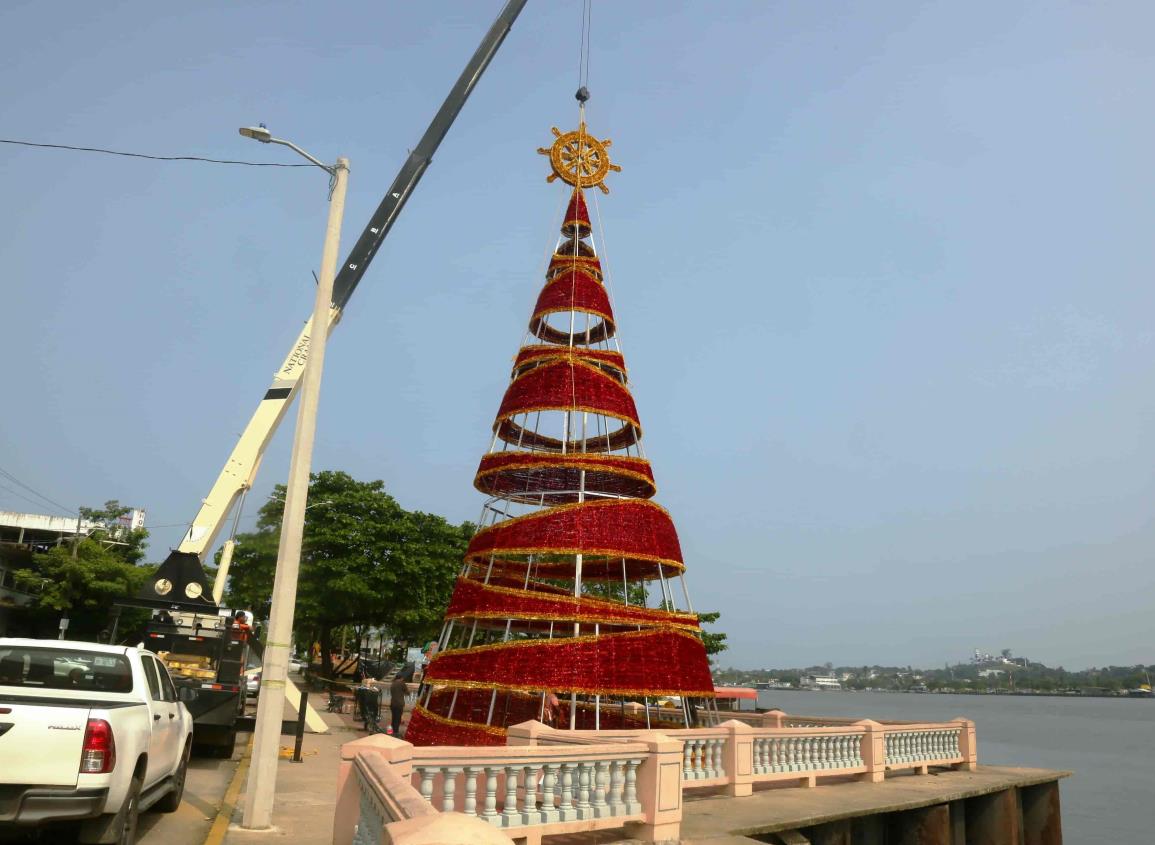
<point>397,691</point>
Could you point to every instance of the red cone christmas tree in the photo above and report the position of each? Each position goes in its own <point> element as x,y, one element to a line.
<point>565,608</point>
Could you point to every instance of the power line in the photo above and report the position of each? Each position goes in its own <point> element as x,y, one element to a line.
<point>152,157</point>
<point>34,491</point>
<point>22,496</point>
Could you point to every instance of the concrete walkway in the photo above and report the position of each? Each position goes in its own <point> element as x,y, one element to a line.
<point>306,793</point>
<point>717,820</point>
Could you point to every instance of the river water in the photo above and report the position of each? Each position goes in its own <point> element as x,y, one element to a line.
<point>1108,743</point>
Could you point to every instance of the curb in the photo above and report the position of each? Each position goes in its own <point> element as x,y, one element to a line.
<point>220,827</point>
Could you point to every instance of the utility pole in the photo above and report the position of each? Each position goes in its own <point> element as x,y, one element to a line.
<point>76,539</point>
<point>271,702</point>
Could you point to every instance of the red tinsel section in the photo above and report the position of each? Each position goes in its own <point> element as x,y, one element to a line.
<point>427,728</point>
<point>568,385</point>
<point>642,663</point>
<point>474,600</point>
<point>593,569</point>
<point>626,435</point>
<point>618,528</point>
<point>574,290</point>
<point>526,476</point>
<point>498,580</point>
<point>577,216</point>
<point>541,352</point>
<point>565,261</point>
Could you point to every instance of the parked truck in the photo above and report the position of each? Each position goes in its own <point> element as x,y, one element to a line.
<point>206,657</point>
<point>91,734</point>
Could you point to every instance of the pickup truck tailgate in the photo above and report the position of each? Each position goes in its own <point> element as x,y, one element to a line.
<point>40,744</point>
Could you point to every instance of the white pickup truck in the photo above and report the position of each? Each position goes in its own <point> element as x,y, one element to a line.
<point>88,733</point>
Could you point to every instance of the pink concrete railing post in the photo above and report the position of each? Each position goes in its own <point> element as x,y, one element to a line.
<point>967,745</point>
<point>526,733</point>
<point>873,751</point>
<point>659,789</point>
<point>772,718</point>
<point>738,759</point>
<point>397,753</point>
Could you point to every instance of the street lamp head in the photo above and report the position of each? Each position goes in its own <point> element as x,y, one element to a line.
<point>257,133</point>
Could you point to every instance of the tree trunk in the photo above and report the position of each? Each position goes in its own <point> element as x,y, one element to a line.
<point>326,652</point>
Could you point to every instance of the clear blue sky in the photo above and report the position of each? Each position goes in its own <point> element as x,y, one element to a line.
<point>883,274</point>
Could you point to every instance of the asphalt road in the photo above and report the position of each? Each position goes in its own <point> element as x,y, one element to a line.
<point>208,778</point>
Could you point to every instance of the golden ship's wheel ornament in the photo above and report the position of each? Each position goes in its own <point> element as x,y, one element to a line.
<point>579,159</point>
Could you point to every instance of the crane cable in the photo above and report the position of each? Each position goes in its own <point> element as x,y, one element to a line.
<point>584,46</point>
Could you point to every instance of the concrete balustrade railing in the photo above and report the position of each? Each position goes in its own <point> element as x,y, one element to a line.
<point>547,781</point>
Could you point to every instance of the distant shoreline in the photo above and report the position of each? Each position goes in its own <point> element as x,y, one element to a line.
<point>1021,693</point>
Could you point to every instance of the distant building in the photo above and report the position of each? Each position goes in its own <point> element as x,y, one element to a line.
<point>820,682</point>
<point>991,673</point>
<point>41,532</point>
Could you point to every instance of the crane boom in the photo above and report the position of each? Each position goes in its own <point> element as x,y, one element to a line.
<point>241,467</point>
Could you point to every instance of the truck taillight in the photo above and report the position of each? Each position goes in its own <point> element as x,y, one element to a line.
<point>99,753</point>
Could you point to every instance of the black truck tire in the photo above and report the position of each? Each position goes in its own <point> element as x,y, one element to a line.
<point>119,828</point>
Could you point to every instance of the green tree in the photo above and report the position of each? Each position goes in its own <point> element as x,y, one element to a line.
<point>365,561</point>
<point>715,641</point>
<point>84,580</point>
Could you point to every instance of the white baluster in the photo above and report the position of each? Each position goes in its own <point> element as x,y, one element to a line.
<point>548,787</point>
<point>449,788</point>
<point>470,808</point>
<point>533,781</point>
<point>632,804</point>
<point>617,781</point>
<point>601,781</point>
<point>510,815</point>
<point>583,794</point>
<point>567,811</point>
<point>688,759</point>
<point>490,811</point>
<point>427,775</point>
<point>719,749</point>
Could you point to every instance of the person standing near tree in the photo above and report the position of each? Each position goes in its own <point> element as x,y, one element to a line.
<point>397,691</point>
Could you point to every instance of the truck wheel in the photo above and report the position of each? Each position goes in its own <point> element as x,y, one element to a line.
<point>171,802</point>
<point>126,820</point>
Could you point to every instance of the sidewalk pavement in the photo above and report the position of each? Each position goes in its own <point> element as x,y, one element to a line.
<point>306,793</point>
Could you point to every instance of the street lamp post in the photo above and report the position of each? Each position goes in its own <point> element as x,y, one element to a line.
<point>271,702</point>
